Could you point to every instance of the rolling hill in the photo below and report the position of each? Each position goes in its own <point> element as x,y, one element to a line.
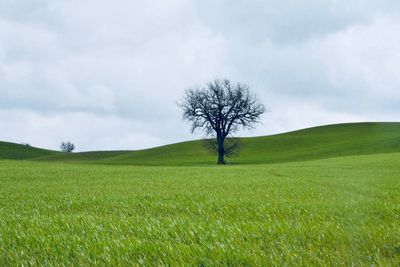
<point>307,144</point>
<point>14,151</point>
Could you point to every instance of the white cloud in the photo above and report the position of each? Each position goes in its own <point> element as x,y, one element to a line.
<point>121,67</point>
<point>368,55</point>
<point>88,131</point>
<point>350,71</point>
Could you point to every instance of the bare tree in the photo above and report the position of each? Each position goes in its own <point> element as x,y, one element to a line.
<point>67,147</point>
<point>220,109</point>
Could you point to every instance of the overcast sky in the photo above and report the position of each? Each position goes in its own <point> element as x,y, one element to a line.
<point>107,74</point>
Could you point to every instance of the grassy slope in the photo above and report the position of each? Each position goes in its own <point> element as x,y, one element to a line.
<point>308,144</point>
<point>333,212</point>
<point>18,152</point>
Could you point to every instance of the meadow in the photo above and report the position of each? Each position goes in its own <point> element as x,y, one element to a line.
<point>341,209</point>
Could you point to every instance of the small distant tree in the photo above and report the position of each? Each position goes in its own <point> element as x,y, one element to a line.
<point>220,109</point>
<point>67,147</point>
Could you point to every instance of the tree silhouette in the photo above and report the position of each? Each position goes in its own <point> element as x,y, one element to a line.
<point>67,147</point>
<point>220,109</point>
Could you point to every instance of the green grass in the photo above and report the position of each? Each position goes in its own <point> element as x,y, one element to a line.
<point>339,211</point>
<point>309,144</point>
<point>325,196</point>
<point>20,152</point>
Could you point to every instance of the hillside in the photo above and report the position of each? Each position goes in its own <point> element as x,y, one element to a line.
<point>19,152</point>
<point>308,144</point>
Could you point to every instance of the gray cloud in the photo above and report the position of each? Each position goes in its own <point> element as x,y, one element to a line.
<point>107,75</point>
<point>289,21</point>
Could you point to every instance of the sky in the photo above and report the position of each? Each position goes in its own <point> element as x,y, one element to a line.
<point>107,75</point>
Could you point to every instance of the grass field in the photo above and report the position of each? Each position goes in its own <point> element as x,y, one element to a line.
<point>342,209</point>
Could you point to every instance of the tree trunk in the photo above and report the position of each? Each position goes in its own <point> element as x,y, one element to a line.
<point>221,150</point>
